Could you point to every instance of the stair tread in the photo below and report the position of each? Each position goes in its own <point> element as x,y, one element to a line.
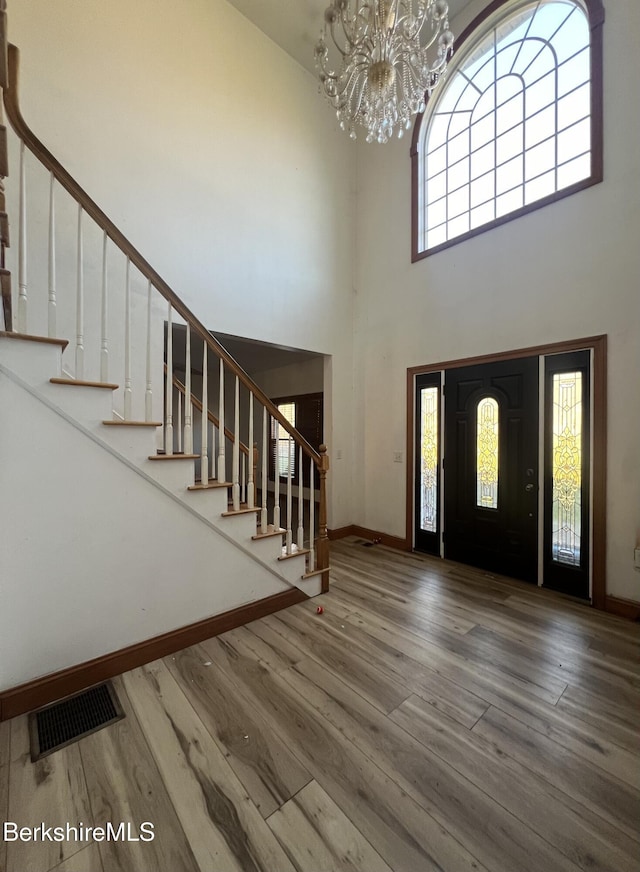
<point>116,423</point>
<point>271,531</point>
<point>297,553</point>
<point>213,484</point>
<point>79,383</point>
<point>6,334</point>
<point>315,572</point>
<point>174,457</point>
<point>240,512</point>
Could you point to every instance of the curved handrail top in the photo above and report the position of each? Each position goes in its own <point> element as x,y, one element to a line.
<point>14,114</point>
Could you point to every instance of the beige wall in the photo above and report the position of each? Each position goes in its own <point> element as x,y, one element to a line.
<point>567,271</point>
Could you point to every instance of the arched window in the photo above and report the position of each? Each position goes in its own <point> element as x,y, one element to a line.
<point>516,125</point>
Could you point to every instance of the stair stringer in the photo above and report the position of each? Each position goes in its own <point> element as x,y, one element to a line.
<point>98,562</point>
<point>90,407</point>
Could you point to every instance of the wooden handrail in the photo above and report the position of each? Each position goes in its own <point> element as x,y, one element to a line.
<point>14,114</point>
<point>196,402</point>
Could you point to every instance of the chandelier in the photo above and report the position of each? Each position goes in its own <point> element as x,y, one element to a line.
<point>384,70</point>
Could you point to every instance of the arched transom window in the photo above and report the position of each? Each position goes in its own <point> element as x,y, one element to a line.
<point>513,127</point>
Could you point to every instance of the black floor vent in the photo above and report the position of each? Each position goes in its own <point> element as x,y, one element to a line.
<point>65,722</point>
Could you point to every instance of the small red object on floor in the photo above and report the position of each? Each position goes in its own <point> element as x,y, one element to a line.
<point>320,610</point>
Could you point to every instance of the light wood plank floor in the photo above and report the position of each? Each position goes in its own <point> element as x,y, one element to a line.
<point>433,718</point>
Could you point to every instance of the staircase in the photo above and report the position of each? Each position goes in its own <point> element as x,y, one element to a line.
<point>100,357</point>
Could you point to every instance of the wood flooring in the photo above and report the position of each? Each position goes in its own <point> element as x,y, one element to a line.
<point>434,717</point>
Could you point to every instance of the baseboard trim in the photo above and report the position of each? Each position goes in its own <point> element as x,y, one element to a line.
<point>341,532</point>
<point>49,688</point>
<point>622,607</point>
<point>366,533</point>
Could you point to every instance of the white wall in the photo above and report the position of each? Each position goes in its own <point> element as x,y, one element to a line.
<point>211,149</point>
<point>294,380</point>
<point>569,270</point>
<point>99,558</point>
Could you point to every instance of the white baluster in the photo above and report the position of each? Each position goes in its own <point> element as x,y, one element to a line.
<point>52,259</point>
<point>212,449</point>
<point>222,472</point>
<point>251,487</point>
<point>312,517</point>
<point>22,246</point>
<point>264,518</point>
<point>243,478</point>
<point>288,537</point>
<point>300,537</point>
<point>148,393</point>
<point>168,427</point>
<point>236,450</point>
<point>80,303</point>
<point>104,313</point>
<point>204,452</point>
<point>276,479</point>
<point>188,432</point>
<point>127,344</point>
<point>179,422</point>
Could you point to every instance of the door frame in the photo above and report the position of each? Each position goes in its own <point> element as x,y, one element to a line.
<point>598,346</point>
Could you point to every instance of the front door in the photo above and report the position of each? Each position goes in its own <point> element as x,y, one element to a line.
<point>491,466</point>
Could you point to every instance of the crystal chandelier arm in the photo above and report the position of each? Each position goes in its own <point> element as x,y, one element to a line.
<point>433,37</point>
<point>392,18</point>
<point>342,51</point>
<point>355,72</point>
<point>357,104</point>
<point>352,26</point>
<point>411,82</point>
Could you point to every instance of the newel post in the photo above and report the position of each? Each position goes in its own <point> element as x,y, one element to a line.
<point>322,552</point>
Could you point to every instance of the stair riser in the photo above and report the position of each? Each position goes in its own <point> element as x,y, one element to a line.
<point>240,527</point>
<point>293,569</point>
<point>134,443</point>
<point>174,475</point>
<point>34,362</point>
<point>210,504</point>
<point>311,586</point>
<point>268,549</point>
<point>90,406</point>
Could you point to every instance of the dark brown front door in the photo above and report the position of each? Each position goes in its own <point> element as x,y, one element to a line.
<point>491,467</point>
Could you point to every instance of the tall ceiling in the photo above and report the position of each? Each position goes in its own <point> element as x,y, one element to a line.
<point>295,24</point>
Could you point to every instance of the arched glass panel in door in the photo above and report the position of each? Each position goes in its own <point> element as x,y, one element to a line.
<point>487,438</point>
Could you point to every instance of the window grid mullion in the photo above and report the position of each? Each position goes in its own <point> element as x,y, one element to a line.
<point>495,122</point>
<point>555,113</point>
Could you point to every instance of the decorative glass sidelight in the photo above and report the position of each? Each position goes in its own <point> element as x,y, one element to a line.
<point>429,459</point>
<point>487,453</point>
<point>566,527</point>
